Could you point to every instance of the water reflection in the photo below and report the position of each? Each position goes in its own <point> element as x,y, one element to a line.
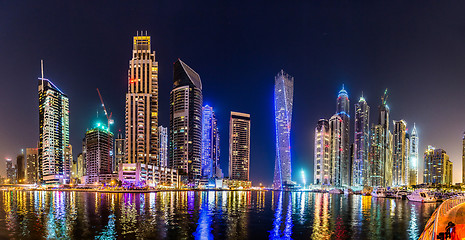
<point>207,215</point>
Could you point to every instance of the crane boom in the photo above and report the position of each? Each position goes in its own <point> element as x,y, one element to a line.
<point>110,121</point>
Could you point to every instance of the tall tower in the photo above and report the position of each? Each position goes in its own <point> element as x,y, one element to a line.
<point>31,162</point>
<point>99,145</point>
<point>210,143</point>
<point>185,142</point>
<point>142,105</point>
<point>400,154</point>
<point>118,152</point>
<point>322,159</point>
<point>438,167</point>
<point>342,110</point>
<point>53,133</point>
<point>283,99</point>
<point>163,145</point>
<point>239,146</point>
<point>413,158</point>
<point>360,165</point>
<point>463,158</point>
<point>335,126</point>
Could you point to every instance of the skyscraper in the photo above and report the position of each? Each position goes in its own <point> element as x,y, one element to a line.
<point>141,144</point>
<point>163,145</point>
<point>335,126</point>
<point>283,99</point>
<point>81,166</point>
<point>68,162</point>
<point>99,145</point>
<point>400,154</point>
<point>239,146</point>
<point>10,172</point>
<point>322,160</point>
<point>210,143</point>
<point>360,165</point>
<point>380,156</point>
<point>438,167</point>
<point>463,158</point>
<point>118,152</point>
<point>414,157</point>
<point>342,110</point>
<point>21,167</point>
<point>31,162</point>
<point>53,132</point>
<point>185,142</point>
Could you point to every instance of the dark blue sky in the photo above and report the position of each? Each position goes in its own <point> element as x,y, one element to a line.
<point>415,49</point>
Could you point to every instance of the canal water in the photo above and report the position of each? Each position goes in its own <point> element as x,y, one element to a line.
<point>208,215</point>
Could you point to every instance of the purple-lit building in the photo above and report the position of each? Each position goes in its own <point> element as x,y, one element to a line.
<point>283,99</point>
<point>210,145</point>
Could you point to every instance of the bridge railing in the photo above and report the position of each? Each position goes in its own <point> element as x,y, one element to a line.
<point>431,228</point>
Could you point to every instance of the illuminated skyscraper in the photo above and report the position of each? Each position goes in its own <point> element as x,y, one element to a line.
<point>11,172</point>
<point>68,162</point>
<point>322,159</point>
<point>376,156</point>
<point>342,110</point>
<point>360,165</point>
<point>239,146</point>
<point>81,166</point>
<point>53,133</point>
<point>31,162</point>
<point>400,154</point>
<point>463,158</point>
<point>438,167</point>
<point>380,156</point>
<point>335,126</point>
<point>185,142</point>
<point>283,98</point>
<point>141,111</point>
<point>210,144</point>
<point>99,145</point>
<point>163,145</point>
<point>118,152</point>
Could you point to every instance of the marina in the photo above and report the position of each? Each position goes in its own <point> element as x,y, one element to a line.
<point>209,215</point>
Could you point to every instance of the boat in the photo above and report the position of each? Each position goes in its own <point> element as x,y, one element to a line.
<point>348,191</point>
<point>422,195</point>
<point>378,192</point>
<point>402,194</point>
<point>335,190</point>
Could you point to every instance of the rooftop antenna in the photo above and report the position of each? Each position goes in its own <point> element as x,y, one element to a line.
<point>42,72</point>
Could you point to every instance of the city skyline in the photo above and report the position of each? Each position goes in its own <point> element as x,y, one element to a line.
<point>308,109</point>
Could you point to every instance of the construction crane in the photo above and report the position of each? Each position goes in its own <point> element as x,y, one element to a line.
<point>110,120</point>
<point>384,97</point>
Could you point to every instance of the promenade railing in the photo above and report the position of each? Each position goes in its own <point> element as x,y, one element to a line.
<point>431,229</point>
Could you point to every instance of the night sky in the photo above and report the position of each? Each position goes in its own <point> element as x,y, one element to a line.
<point>417,51</point>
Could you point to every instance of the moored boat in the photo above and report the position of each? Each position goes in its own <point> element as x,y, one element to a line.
<point>422,195</point>
<point>378,192</point>
<point>335,190</point>
<point>348,191</point>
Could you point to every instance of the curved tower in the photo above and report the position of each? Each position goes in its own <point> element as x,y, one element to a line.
<point>283,97</point>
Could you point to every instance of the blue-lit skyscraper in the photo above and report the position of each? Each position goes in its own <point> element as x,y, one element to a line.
<point>342,110</point>
<point>210,144</point>
<point>361,143</point>
<point>283,98</point>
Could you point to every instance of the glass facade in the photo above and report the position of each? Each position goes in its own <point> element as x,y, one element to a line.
<point>283,99</point>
